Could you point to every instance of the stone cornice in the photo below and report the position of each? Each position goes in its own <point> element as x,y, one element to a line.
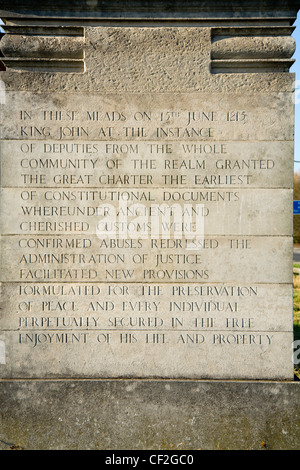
<point>135,9</point>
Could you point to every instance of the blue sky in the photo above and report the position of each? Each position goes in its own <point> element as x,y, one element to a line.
<point>296,70</point>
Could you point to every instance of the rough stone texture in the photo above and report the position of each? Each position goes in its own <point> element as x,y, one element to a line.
<point>148,60</point>
<point>155,9</point>
<point>269,297</point>
<point>251,47</point>
<point>274,168</point>
<point>79,83</point>
<point>231,58</point>
<point>248,221</point>
<point>264,116</point>
<point>37,46</point>
<point>157,415</point>
<point>250,239</point>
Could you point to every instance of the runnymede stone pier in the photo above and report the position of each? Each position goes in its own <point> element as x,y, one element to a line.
<point>147,228</point>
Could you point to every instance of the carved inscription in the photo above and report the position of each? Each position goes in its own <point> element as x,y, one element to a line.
<point>137,233</point>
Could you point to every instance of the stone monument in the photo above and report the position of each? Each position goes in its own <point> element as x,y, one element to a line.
<point>146,220</point>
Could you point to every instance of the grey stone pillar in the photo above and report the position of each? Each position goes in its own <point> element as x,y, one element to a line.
<point>146,219</point>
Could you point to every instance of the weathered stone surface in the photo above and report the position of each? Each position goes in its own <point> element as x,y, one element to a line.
<point>41,47</point>
<point>149,60</point>
<point>71,212</point>
<point>203,164</point>
<point>76,354</point>
<point>55,229</point>
<point>106,112</point>
<point>192,109</point>
<point>252,48</point>
<point>161,117</point>
<point>213,306</point>
<point>152,415</point>
<point>149,260</point>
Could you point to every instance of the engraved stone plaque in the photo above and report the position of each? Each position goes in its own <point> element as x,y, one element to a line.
<point>146,203</point>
